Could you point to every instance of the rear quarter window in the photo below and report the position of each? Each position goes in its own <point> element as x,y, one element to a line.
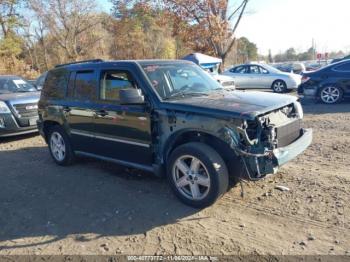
<point>56,83</point>
<point>342,68</point>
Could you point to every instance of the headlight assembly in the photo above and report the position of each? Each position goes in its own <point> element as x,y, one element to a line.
<point>4,108</point>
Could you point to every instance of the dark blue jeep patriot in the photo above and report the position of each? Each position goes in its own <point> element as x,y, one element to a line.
<point>171,118</point>
<point>18,106</point>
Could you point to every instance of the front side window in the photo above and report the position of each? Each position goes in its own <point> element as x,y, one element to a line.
<point>112,81</point>
<point>85,86</point>
<point>179,80</point>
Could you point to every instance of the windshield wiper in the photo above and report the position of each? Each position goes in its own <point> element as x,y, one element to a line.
<point>184,94</point>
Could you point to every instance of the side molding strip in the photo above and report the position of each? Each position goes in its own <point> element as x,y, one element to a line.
<point>79,133</point>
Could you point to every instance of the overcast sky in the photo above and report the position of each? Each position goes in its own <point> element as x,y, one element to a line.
<point>281,24</point>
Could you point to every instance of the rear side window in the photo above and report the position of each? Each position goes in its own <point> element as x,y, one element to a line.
<point>84,85</point>
<point>112,81</point>
<point>342,68</point>
<point>254,69</point>
<point>56,83</point>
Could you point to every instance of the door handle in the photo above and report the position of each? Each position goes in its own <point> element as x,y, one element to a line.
<point>101,113</point>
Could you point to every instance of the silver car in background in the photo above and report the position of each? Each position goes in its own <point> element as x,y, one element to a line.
<point>263,76</point>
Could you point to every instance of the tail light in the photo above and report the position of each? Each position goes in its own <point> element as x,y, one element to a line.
<point>305,79</point>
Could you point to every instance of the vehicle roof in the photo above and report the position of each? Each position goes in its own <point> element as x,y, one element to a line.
<point>87,64</point>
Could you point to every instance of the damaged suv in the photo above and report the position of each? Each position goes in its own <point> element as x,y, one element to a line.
<point>171,118</point>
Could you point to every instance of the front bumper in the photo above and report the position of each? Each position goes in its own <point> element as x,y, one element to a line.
<point>258,166</point>
<point>286,154</point>
<point>9,126</point>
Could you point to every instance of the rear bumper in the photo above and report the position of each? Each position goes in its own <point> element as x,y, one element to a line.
<point>9,126</point>
<point>307,91</point>
<point>293,86</point>
<point>286,154</point>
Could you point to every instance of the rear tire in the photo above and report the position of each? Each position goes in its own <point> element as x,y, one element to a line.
<point>279,86</point>
<point>330,95</point>
<point>60,146</point>
<point>197,174</point>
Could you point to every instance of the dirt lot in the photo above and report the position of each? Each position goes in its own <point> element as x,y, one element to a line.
<point>100,208</point>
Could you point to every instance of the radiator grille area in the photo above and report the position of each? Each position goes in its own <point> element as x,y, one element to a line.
<point>26,110</point>
<point>287,134</point>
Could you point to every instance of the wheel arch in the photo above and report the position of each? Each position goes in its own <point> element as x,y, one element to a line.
<point>181,137</point>
<point>327,84</point>
<point>46,127</point>
<point>279,79</point>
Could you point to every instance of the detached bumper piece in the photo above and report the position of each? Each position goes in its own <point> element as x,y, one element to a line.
<point>287,153</point>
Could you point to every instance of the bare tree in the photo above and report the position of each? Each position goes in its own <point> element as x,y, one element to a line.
<point>208,25</point>
<point>68,22</point>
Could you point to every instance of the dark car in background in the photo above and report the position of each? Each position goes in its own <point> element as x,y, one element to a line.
<point>18,106</point>
<point>330,84</point>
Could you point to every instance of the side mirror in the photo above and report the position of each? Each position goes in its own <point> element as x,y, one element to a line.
<point>131,96</point>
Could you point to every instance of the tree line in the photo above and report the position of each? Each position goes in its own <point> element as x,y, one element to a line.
<point>292,55</point>
<point>35,35</point>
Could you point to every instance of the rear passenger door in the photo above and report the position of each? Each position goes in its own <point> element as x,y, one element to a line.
<point>78,108</point>
<point>122,132</point>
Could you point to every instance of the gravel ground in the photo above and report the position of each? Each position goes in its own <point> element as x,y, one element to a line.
<point>94,207</point>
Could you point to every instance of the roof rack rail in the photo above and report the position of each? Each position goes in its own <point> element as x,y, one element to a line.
<point>81,62</point>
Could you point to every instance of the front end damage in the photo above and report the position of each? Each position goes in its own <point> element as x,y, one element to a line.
<point>270,140</point>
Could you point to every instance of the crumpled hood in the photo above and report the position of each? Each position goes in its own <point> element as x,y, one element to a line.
<point>239,104</point>
<point>20,97</point>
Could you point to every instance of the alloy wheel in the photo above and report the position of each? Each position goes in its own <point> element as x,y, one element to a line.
<point>191,177</point>
<point>57,146</point>
<point>330,95</point>
<point>278,87</point>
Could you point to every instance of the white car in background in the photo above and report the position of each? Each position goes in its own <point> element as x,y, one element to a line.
<point>263,76</point>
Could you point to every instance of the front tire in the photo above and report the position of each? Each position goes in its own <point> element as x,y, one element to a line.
<point>279,86</point>
<point>197,174</point>
<point>60,146</point>
<point>331,95</point>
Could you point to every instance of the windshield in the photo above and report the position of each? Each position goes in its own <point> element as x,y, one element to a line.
<point>15,86</point>
<point>180,80</point>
